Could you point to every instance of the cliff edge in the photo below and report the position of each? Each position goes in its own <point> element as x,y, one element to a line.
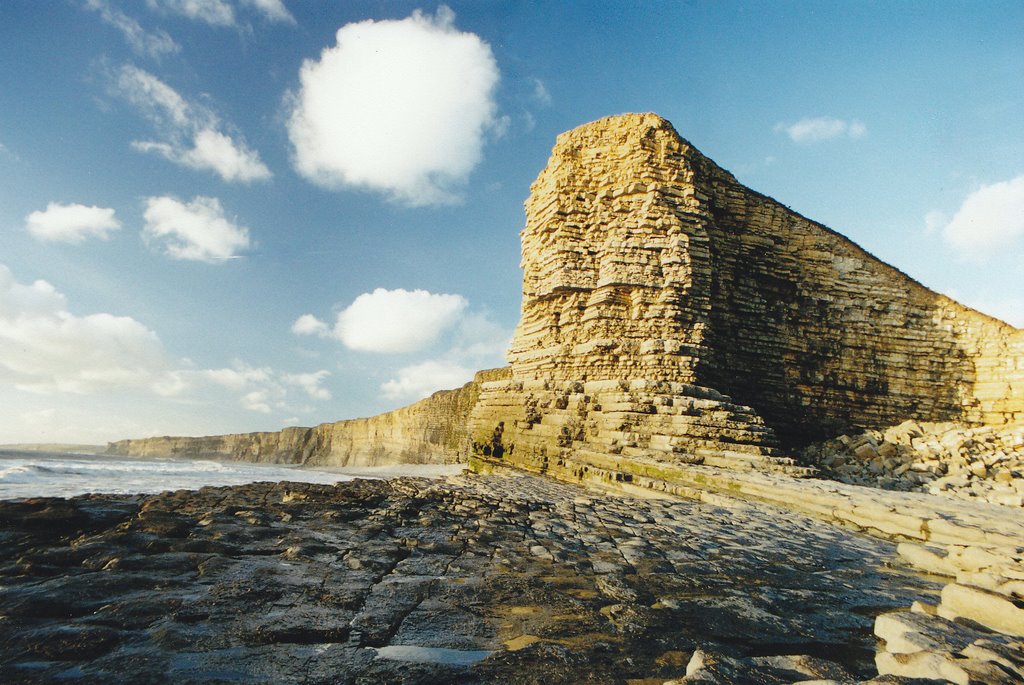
<point>432,430</point>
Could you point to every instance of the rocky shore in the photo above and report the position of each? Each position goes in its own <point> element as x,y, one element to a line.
<point>509,579</point>
<point>970,462</point>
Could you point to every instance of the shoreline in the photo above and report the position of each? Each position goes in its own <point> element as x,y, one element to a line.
<point>467,579</point>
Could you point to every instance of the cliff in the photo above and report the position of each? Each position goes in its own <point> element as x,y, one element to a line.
<point>671,315</point>
<point>429,431</point>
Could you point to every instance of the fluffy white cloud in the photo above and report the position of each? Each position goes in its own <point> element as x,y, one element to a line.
<point>44,348</point>
<point>398,106</point>
<point>238,376</point>
<point>990,219</point>
<point>50,357</point>
<point>264,389</point>
<point>71,223</point>
<point>307,324</point>
<point>197,230</point>
<point>403,321</point>
<point>420,380</point>
<point>389,321</point>
<point>154,44</point>
<point>157,100</point>
<point>191,133</point>
<point>818,129</point>
<point>214,151</point>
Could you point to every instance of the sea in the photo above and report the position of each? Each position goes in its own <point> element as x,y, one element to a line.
<point>58,474</point>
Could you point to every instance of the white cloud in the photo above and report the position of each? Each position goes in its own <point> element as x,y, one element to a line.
<point>149,44</point>
<point>191,133</point>
<point>272,10</point>
<point>402,321</point>
<point>214,151</point>
<point>238,376</point>
<point>420,380</point>
<point>44,348</point>
<point>307,324</point>
<point>71,223</point>
<point>265,390</point>
<point>51,357</point>
<point>989,220</point>
<point>389,321</point>
<point>818,129</point>
<point>212,12</point>
<point>394,321</point>
<point>197,230</point>
<point>540,92</point>
<point>221,12</point>
<point>157,100</point>
<point>258,400</point>
<point>310,383</point>
<point>398,106</point>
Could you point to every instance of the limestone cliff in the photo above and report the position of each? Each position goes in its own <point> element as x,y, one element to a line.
<point>672,316</point>
<point>429,431</point>
<point>648,265</point>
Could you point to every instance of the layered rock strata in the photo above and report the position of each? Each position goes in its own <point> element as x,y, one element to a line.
<point>670,313</point>
<point>432,430</point>
<point>651,276</point>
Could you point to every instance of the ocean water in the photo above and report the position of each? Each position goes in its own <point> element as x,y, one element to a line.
<point>51,474</point>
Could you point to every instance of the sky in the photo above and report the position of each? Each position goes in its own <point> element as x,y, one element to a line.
<point>222,216</point>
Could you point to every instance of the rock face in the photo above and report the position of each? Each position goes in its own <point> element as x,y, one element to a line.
<point>649,270</point>
<point>429,431</point>
<point>672,315</point>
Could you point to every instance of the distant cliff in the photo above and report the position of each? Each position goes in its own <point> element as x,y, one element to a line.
<point>429,431</point>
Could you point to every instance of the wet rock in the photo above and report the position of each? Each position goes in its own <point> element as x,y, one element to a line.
<point>434,581</point>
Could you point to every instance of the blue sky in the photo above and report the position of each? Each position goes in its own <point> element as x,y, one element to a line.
<point>233,215</point>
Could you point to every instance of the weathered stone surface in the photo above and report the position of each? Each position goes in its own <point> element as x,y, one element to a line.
<point>924,646</point>
<point>416,581</point>
<point>949,459</point>
<point>993,610</point>
<point>676,330</point>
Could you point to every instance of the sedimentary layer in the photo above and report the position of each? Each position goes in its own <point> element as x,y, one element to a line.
<point>429,431</point>
<point>671,314</point>
<point>644,259</point>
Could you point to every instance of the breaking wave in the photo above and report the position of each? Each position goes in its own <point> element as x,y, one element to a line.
<point>47,474</point>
